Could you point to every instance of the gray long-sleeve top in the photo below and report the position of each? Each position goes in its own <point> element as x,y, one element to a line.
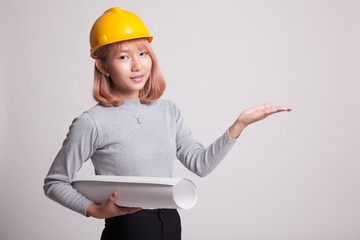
<point>118,145</point>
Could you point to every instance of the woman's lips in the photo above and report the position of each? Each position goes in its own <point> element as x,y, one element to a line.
<point>137,78</point>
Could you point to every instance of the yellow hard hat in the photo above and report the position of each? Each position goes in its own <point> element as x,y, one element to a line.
<point>116,25</point>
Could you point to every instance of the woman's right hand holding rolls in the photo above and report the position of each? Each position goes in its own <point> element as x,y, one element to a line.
<point>109,209</point>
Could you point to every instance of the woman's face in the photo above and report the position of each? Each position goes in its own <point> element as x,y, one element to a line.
<point>129,70</point>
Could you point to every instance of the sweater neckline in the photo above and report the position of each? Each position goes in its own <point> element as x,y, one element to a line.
<point>132,101</point>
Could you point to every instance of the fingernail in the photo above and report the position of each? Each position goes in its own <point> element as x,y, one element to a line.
<point>289,110</point>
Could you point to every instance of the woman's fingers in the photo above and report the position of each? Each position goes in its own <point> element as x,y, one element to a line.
<point>113,197</point>
<point>281,109</point>
<point>268,108</point>
<point>255,114</point>
<point>122,210</point>
<point>128,210</point>
<point>109,208</point>
<point>267,105</point>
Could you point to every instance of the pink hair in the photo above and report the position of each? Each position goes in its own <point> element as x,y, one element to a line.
<point>102,90</point>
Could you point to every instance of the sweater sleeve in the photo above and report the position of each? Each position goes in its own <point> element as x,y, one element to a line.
<point>192,153</point>
<point>79,145</point>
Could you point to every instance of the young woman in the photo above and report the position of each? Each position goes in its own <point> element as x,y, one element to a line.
<point>131,132</point>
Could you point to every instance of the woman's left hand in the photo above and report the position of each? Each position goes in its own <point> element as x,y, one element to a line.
<point>252,115</point>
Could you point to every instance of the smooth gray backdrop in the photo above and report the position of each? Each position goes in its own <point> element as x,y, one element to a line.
<point>292,176</point>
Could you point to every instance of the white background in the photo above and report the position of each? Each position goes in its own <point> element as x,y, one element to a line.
<point>292,176</point>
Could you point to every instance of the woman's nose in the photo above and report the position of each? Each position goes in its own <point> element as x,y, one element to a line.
<point>136,65</point>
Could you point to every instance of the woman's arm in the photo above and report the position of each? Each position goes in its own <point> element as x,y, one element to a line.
<point>79,145</point>
<point>252,115</point>
<point>202,161</point>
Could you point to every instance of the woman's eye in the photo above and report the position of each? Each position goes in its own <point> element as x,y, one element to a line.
<point>123,57</point>
<point>143,53</point>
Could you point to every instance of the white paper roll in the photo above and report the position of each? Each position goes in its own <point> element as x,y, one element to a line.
<point>144,192</point>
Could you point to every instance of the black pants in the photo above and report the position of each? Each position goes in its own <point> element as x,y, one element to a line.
<point>157,224</point>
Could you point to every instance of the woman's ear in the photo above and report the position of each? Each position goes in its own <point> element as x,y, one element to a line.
<point>100,65</point>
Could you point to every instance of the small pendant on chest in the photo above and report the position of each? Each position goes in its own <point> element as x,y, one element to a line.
<point>138,120</point>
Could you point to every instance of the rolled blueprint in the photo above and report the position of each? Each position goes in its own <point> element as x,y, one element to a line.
<point>144,192</point>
